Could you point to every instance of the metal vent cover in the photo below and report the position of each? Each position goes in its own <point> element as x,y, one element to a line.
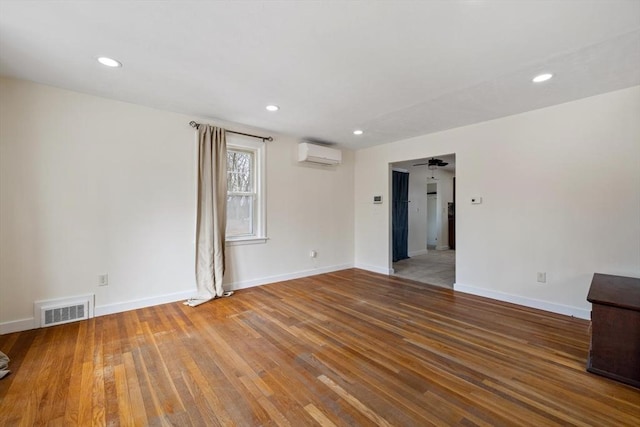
<point>59,315</point>
<point>60,311</point>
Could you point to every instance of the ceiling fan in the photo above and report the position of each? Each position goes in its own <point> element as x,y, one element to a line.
<point>433,163</point>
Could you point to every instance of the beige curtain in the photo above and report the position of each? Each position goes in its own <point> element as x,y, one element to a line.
<point>211,219</point>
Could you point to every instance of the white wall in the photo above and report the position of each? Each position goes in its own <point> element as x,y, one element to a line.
<point>561,195</point>
<point>445,195</point>
<point>417,211</point>
<point>90,186</point>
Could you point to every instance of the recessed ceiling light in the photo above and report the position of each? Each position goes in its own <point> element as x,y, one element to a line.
<point>272,108</point>
<point>358,132</point>
<point>542,78</point>
<point>109,62</point>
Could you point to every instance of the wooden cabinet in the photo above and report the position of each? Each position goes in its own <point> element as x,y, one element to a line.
<point>615,328</point>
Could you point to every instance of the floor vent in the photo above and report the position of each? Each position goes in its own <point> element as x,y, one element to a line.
<point>57,312</point>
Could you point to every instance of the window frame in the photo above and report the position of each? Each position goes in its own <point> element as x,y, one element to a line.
<point>259,235</point>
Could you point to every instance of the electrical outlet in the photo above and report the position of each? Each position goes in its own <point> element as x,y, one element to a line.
<point>103,279</point>
<point>542,277</point>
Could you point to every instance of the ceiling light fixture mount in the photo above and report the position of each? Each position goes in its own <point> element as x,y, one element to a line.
<point>109,62</point>
<point>542,77</point>
<point>272,107</point>
<point>358,132</point>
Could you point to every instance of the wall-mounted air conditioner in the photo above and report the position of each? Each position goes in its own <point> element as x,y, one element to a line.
<point>319,154</point>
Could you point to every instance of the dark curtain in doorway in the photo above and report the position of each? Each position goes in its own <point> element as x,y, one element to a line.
<point>400,215</point>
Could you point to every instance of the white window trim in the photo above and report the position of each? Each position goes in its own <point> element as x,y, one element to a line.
<point>239,241</point>
<point>260,225</point>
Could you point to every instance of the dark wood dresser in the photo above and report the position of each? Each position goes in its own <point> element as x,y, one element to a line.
<point>615,328</point>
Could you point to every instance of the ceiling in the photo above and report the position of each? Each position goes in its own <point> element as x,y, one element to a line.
<point>394,69</point>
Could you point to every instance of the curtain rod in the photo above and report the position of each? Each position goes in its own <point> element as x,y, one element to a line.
<point>263,138</point>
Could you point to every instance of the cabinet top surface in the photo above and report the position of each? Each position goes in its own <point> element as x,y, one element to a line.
<point>617,291</point>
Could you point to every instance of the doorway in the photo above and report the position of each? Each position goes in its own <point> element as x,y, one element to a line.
<point>430,246</point>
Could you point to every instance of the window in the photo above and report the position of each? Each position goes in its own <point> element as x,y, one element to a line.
<point>245,192</point>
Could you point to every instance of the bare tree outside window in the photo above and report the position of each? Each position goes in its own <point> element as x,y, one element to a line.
<point>239,168</point>
<point>241,194</point>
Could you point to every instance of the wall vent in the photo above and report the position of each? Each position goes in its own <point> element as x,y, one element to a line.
<point>64,310</point>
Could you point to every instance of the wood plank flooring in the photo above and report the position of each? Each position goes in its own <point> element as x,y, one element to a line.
<point>345,348</point>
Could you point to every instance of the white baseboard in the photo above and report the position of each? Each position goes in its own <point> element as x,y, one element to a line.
<point>103,310</point>
<point>567,310</point>
<point>282,277</point>
<point>382,270</point>
<point>416,253</point>
<point>118,307</point>
<point>184,295</point>
<point>17,326</point>
<point>442,248</point>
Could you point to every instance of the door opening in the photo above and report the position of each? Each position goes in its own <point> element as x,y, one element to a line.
<point>430,216</point>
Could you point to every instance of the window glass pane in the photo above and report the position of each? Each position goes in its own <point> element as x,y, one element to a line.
<point>239,215</point>
<point>239,171</point>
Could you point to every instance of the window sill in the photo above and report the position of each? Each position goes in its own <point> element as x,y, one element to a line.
<point>246,241</point>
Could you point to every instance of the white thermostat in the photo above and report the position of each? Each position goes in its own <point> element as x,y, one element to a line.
<point>377,200</point>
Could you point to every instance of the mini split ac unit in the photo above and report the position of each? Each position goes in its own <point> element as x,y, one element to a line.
<point>318,154</point>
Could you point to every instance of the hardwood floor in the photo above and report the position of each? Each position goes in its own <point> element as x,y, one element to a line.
<point>346,348</point>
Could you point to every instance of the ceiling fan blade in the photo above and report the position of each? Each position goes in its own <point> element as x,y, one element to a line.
<point>433,162</point>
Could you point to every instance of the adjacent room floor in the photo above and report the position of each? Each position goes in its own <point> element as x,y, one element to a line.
<point>435,268</point>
